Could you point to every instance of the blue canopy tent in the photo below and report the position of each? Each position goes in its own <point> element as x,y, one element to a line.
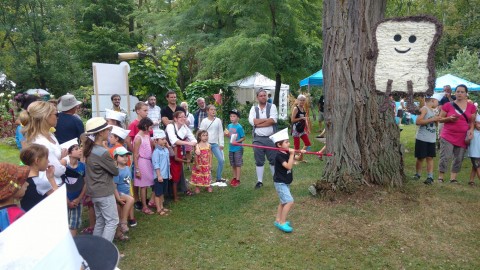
<point>453,81</point>
<point>316,79</point>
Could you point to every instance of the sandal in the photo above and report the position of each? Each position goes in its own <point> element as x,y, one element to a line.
<point>162,213</point>
<point>166,210</point>
<point>121,237</point>
<point>188,193</point>
<point>147,211</point>
<point>440,180</point>
<point>151,204</point>
<point>123,227</point>
<point>454,181</point>
<point>209,190</point>
<point>471,183</point>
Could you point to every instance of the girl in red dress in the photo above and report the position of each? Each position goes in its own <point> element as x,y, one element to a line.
<point>201,175</point>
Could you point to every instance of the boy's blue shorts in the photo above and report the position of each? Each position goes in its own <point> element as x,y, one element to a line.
<point>283,191</point>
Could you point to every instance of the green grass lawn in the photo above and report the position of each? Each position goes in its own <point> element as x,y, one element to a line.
<point>414,227</point>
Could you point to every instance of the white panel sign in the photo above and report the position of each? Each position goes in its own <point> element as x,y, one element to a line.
<point>111,79</point>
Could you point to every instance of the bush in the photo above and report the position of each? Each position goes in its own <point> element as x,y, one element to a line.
<point>206,89</point>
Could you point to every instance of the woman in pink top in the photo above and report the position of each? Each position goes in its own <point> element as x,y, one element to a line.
<point>459,118</point>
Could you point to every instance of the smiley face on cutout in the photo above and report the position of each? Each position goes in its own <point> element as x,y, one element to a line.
<point>405,51</point>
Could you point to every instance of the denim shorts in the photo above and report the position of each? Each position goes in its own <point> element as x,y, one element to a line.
<point>283,191</point>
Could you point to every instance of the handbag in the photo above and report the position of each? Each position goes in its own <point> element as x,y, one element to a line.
<point>467,141</point>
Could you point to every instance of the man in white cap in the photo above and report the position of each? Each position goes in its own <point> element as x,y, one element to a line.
<point>69,126</point>
<point>263,118</point>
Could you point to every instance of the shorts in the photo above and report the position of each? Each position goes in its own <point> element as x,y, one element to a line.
<point>475,162</point>
<point>321,117</point>
<point>75,217</point>
<point>160,188</point>
<point>283,191</point>
<point>236,158</point>
<point>424,149</point>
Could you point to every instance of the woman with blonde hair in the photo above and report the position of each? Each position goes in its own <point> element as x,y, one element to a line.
<point>300,128</point>
<point>42,118</point>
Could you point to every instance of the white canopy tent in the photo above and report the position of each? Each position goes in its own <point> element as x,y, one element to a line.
<point>247,87</point>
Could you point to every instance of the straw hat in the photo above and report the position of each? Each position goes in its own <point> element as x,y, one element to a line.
<point>120,132</point>
<point>67,102</point>
<point>95,125</point>
<point>280,136</point>
<point>111,114</point>
<point>12,178</point>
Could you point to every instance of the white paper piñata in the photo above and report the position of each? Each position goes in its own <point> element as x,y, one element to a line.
<point>404,53</point>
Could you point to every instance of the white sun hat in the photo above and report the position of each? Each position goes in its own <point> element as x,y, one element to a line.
<point>120,132</point>
<point>67,102</point>
<point>438,96</point>
<point>158,134</point>
<point>111,114</point>
<point>68,144</point>
<point>95,125</point>
<point>280,136</point>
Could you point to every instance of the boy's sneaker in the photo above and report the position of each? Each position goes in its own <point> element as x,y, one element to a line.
<point>284,228</point>
<point>132,222</point>
<point>234,182</point>
<point>416,177</point>
<point>138,205</point>
<point>429,181</point>
<point>258,185</point>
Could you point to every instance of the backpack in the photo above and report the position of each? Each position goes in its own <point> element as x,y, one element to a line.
<point>257,116</point>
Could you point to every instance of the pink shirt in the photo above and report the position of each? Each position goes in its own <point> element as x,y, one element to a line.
<point>455,132</point>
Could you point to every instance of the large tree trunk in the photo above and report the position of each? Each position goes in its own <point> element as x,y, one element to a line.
<point>364,141</point>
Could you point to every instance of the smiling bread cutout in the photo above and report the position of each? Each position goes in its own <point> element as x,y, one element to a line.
<point>404,51</point>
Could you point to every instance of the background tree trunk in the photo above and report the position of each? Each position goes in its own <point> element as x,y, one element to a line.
<point>364,141</point>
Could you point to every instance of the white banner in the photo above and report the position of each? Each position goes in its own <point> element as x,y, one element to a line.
<point>283,104</point>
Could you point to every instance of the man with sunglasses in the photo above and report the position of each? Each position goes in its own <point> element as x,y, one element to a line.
<point>69,126</point>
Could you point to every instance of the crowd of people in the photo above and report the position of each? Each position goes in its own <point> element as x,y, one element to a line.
<point>109,165</point>
<point>451,120</point>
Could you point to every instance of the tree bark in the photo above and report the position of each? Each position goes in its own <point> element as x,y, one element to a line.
<point>364,142</point>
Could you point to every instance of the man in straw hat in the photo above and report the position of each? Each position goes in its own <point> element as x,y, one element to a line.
<point>12,186</point>
<point>69,126</point>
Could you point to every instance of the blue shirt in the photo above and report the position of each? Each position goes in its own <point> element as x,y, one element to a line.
<point>75,183</point>
<point>161,160</point>
<point>19,137</point>
<point>123,180</point>
<point>236,129</point>
<point>68,127</point>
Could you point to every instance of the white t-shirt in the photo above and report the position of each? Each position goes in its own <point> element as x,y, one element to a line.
<point>54,155</point>
<point>183,132</point>
<point>474,148</point>
<point>214,129</point>
<point>262,113</point>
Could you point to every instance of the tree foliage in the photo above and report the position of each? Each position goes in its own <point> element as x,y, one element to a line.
<point>464,65</point>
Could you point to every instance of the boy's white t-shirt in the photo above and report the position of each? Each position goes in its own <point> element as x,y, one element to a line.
<point>474,148</point>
